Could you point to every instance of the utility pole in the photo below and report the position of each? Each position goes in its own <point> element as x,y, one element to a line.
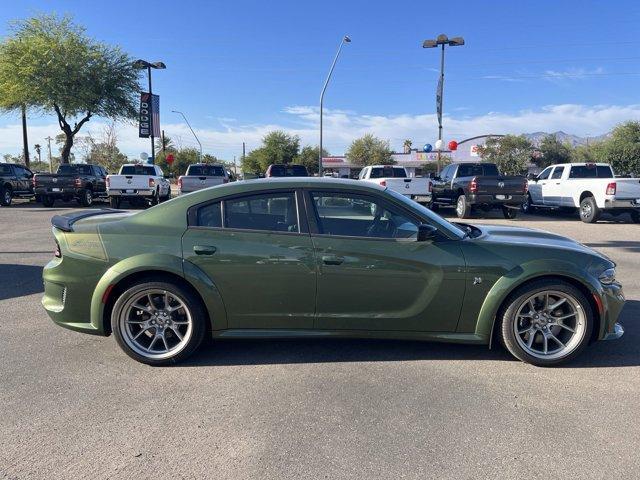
<point>48,139</point>
<point>25,140</point>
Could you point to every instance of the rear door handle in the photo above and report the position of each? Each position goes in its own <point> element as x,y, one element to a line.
<point>204,249</point>
<point>332,260</point>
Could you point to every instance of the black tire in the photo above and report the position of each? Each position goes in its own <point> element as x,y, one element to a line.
<point>508,334</point>
<point>6,196</point>
<point>463,209</point>
<point>48,201</point>
<point>527,206</point>
<point>167,197</point>
<point>114,202</point>
<point>192,303</point>
<point>86,197</point>
<point>589,211</point>
<point>509,213</point>
<point>635,217</point>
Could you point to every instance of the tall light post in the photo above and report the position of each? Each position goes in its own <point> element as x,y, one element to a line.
<point>344,40</point>
<point>194,133</point>
<point>441,40</point>
<point>142,64</point>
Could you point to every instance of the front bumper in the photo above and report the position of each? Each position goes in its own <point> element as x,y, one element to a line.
<point>610,303</point>
<point>618,331</point>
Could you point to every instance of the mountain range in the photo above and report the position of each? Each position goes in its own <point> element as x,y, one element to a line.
<point>573,140</point>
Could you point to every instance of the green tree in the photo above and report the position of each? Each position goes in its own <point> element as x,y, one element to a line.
<point>406,146</point>
<point>104,151</point>
<point>621,149</point>
<point>49,64</point>
<point>370,150</point>
<point>182,158</point>
<point>277,147</point>
<point>511,153</point>
<point>584,154</point>
<point>553,151</point>
<point>309,158</point>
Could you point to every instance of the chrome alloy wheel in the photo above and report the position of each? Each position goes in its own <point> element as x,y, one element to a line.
<point>550,324</point>
<point>156,324</point>
<point>460,206</point>
<point>586,210</point>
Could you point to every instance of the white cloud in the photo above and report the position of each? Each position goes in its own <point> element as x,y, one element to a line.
<point>341,127</point>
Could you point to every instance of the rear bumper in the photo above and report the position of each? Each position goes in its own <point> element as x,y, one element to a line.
<point>61,192</point>
<point>135,192</point>
<point>625,204</point>
<point>490,199</point>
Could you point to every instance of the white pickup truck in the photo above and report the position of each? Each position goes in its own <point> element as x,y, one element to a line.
<point>590,187</point>
<point>395,178</point>
<point>201,175</point>
<point>138,183</point>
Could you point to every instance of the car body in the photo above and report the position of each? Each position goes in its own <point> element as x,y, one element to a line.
<point>592,188</point>
<point>396,178</point>
<point>15,181</point>
<point>286,170</point>
<point>138,182</point>
<point>311,258</point>
<point>202,175</point>
<point>469,185</point>
<point>79,181</point>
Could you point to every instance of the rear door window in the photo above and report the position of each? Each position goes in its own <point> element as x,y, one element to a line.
<point>276,211</point>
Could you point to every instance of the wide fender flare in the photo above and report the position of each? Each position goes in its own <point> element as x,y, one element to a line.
<point>205,287</point>
<point>520,275</point>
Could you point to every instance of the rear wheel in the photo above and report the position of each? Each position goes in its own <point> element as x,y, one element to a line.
<point>114,202</point>
<point>158,323</point>
<point>546,322</point>
<point>589,211</point>
<point>48,201</point>
<point>635,216</point>
<point>86,197</point>
<point>6,195</point>
<point>463,209</point>
<point>509,213</point>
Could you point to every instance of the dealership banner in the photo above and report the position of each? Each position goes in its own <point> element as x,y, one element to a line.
<point>149,116</point>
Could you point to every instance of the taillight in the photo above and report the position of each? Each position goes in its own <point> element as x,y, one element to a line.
<point>383,183</point>
<point>33,181</point>
<point>108,181</point>
<point>430,186</point>
<point>57,253</point>
<point>179,182</point>
<point>611,188</point>
<point>152,183</point>
<point>526,186</point>
<point>473,185</point>
<point>77,182</point>
<point>225,180</point>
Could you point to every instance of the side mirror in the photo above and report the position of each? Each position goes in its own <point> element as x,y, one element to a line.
<point>532,176</point>
<point>426,232</point>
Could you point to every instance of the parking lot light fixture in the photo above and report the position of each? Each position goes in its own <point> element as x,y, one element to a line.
<point>441,40</point>
<point>194,133</point>
<point>345,39</point>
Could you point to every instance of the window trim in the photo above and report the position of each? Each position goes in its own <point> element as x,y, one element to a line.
<point>313,218</point>
<point>192,213</point>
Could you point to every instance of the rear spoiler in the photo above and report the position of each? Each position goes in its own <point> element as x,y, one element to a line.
<point>65,222</point>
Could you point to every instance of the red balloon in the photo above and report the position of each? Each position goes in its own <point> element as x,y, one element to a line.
<point>453,145</point>
<point>170,158</point>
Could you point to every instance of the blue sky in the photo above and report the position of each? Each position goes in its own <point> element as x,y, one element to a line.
<point>238,69</point>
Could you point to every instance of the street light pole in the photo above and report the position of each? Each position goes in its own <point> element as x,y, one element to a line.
<point>441,41</point>
<point>143,64</point>
<point>344,40</point>
<point>194,133</point>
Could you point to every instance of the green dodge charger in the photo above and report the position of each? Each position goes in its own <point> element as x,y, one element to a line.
<point>316,257</point>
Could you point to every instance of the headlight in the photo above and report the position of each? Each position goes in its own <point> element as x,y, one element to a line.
<point>608,276</point>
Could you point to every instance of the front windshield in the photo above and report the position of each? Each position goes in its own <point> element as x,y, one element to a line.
<point>433,218</point>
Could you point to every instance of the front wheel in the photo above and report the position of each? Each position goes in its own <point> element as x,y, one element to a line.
<point>509,213</point>
<point>546,322</point>
<point>158,323</point>
<point>463,209</point>
<point>589,211</point>
<point>5,197</point>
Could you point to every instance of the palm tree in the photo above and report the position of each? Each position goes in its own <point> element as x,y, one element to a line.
<point>407,145</point>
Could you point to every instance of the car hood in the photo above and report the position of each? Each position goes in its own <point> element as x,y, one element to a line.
<point>497,234</point>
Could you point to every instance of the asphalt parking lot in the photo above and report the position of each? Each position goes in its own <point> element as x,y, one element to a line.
<point>75,406</point>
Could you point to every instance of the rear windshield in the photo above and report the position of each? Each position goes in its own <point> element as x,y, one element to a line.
<point>591,171</point>
<point>138,170</point>
<point>206,171</point>
<point>288,171</point>
<point>74,170</point>
<point>388,172</point>
<point>5,169</point>
<point>474,170</point>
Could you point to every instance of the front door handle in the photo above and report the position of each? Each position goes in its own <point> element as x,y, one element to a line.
<point>204,249</point>
<point>332,260</point>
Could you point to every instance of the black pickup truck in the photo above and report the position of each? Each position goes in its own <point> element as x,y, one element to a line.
<point>15,181</point>
<point>469,185</point>
<point>84,182</point>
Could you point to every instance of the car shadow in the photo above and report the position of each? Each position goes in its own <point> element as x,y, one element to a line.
<point>19,280</point>
<point>619,353</point>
